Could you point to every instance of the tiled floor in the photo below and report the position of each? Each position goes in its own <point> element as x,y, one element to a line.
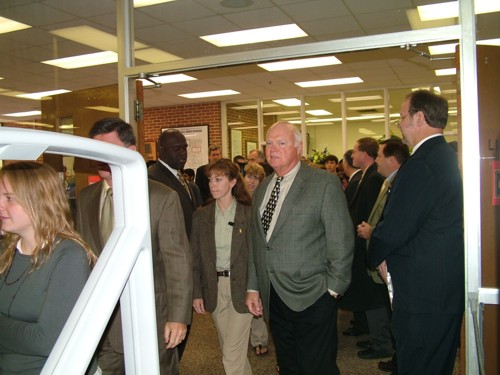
<point>202,355</point>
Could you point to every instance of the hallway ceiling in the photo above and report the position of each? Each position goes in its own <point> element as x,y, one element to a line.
<point>175,27</point>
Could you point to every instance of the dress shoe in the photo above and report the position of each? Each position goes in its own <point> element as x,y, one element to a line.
<point>373,354</point>
<point>385,366</point>
<point>363,344</point>
<point>351,331</point>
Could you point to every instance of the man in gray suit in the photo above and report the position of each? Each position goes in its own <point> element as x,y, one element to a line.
<point>172,264</point>
<point>301,249</point>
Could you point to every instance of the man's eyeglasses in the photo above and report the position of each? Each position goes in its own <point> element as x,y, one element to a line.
<point>411,112</point>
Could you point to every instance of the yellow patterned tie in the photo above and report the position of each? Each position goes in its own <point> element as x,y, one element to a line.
<point>107,215</point>
<point>183,182</point>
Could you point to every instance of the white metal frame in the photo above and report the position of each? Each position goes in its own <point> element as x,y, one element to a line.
<point>124,267</point>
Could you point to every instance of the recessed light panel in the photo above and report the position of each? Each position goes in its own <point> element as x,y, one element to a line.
<point>209,94</point>
<point>172,78</point>
<point>300,63</point>
<point>7,26</point>
<point>445,72</point>
<point>318,112</point>
<point>330,82</point>
<point>23,114</point>
<point>264,34</point>
<point>81,61</point>
<point>145,3</point>
<point>42,94</point>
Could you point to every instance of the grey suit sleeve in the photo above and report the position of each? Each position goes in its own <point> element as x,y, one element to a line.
<point>339,237</point>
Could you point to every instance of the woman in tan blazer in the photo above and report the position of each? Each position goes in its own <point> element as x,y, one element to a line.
<point>220,255</point>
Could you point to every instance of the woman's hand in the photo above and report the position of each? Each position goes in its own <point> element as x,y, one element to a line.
<point>199,306</point>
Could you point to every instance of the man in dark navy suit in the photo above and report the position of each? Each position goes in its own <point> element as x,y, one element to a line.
<point>420,242</point>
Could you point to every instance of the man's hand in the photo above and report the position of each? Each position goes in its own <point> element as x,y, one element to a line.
<point>254,303</point>
<point>365,230</point>
<point>382,270</point>
<point>174,334</point>
<point>199,306</point>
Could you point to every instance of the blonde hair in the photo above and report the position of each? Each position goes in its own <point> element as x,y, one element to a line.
<point>256,170</point>
<point>40,192</point>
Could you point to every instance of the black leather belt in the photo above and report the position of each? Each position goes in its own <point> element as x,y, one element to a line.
<point>224,273</point>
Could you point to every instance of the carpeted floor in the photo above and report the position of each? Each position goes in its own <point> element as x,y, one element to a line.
<point>203,357</point>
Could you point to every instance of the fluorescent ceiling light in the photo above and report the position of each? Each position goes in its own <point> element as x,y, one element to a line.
<point>153,55</point>
<point>100,40</point>
<point>42,94</point>
<point>489,42</point>
<point>264,34</point>
<point>104,109</point>
<point>300,63</point>
<point>92,37</point>
<point>236,123</point>
<point>7,26</point>
<point>450,9</point>
<point>317,120</point>
<point>318,112</point>
<point>445,72</point>
<point>449,91</point>
<point>208,94</point>
<point>81,61</point>
<point>34,124</point>
<point>357,98</point>
<point>442,49</point>
<point>366,131</point>
<point>367,107</point>
<point>417,24</point>
<point>145,3</point>
<point>23,114</point>
<point>292,102</point>
<point>280,113</point>
<point>254,106</point>
<point>330,82</point>
<point>168,79</point>
<point>370,117</point>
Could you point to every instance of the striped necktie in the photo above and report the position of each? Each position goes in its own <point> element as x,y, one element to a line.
<point>267,216</point>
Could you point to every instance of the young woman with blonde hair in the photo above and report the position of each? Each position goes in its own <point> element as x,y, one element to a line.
<point>44,265</point>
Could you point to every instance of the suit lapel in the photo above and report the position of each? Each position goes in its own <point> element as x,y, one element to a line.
<point>364,178</point>
<point>210,236</point>
<point>291,198</point>
<point>239,232</point>
<point>177,184</point>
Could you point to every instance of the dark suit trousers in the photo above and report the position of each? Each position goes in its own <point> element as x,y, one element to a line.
<point>306,341</point>
<point>426,343</point>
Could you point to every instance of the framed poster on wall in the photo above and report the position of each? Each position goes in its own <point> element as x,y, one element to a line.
<point>197,140</point>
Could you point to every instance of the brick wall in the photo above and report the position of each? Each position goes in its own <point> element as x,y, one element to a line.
<point>175,116</point>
